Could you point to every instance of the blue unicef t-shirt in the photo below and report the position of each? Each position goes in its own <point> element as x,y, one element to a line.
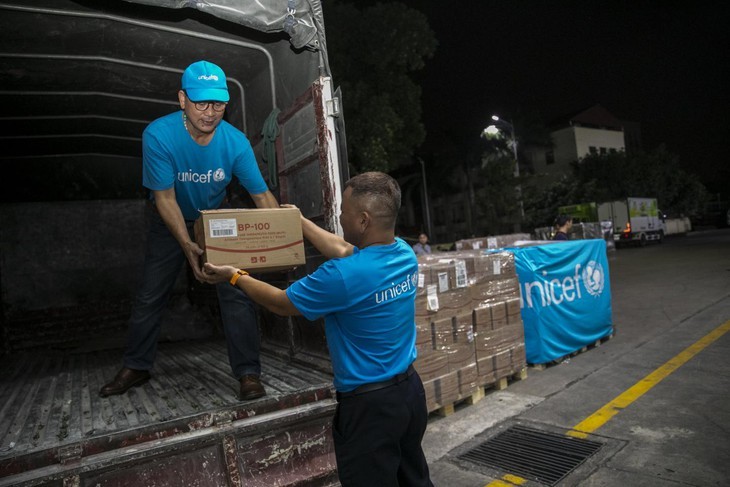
<point>199,174</point>
<point>368,304</point>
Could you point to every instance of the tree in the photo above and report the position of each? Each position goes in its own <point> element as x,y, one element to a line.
<point>372,53</point>
<point>655,174</point>
<point>541,206</point>
<point>606,177</point>
<point>498,203</point>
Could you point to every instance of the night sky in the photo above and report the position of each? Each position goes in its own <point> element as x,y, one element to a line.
<point>661,63</point>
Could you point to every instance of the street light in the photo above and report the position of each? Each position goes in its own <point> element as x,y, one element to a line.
<point>494,130</point>
<point>425,199</point>
<point>513,137</point>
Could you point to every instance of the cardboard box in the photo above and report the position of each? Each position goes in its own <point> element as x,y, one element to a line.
<point>424,332</point>
<point>432,365</point>
<point>441,391</point>
<point>256,240</point>
<point>468,380</point>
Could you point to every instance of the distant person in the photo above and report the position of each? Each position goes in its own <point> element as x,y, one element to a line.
<point>563,224</point>
<point>366,294</point>
<point>188,159</point>
<point>422,247</point>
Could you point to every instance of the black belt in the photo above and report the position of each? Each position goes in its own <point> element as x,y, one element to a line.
<point>376,386</point>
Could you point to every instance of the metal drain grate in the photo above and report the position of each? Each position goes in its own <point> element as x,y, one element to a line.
<point>533,454</point>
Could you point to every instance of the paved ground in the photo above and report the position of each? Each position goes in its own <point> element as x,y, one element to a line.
<point>674,429</point>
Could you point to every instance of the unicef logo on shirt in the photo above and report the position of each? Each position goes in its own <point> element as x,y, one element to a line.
<point>219,175</point>
<point>594,278</point>
<point>395,290</point>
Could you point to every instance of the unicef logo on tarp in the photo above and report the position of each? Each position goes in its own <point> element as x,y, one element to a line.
<point>219,175</point>
<point>561,288</point>
<point>594,278</point>
<point>414,279</point>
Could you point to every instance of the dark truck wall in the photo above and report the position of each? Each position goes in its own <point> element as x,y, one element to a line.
<point>69,273</point>
<point>90,75</point>
<point>84,79</point>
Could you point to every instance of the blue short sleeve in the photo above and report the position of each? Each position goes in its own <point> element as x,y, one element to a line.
<point>247,171</point>
<point>320,293</point>
<point>157,171</point>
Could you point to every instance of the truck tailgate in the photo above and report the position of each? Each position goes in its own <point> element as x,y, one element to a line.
<point>186,421</point>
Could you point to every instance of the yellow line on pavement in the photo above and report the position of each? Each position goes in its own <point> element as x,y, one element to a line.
<point>623,400</point>
<point>514,479</point>
<point>507,481</point>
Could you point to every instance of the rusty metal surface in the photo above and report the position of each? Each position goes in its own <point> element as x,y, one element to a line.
<point>51,414</point>
<point>288,457</point>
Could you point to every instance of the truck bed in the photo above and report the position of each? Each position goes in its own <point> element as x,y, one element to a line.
<point>53,422</point>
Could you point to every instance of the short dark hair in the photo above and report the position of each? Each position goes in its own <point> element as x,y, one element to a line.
<point>562,219</point>
<point>379,194</point>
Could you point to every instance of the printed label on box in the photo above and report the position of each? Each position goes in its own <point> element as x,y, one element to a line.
<point>492,242</point>
<point>497,267</point>
<point>223,228</point>
<point>432,298</point>
<point>421,280</point>
<point>461,280</point>
<point>443,282</point>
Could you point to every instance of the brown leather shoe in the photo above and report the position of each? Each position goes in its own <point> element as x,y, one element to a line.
<point>251,388</point>
<point>125,379</point>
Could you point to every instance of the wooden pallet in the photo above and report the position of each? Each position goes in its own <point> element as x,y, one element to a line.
<point>584,349</point>
<point>480,393</point>
<point>502,383</point>
<point>448,409</point>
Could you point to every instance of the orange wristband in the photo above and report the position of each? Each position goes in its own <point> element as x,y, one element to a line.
<point>237,275</point>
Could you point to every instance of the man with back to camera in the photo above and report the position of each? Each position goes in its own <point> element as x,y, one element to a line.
<point>189,158</point>
<point>366,294</point>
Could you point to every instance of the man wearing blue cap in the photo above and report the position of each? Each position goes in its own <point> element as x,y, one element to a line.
<point>189,157</point>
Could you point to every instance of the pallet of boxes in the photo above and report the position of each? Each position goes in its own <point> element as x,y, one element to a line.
<point>469,328</point>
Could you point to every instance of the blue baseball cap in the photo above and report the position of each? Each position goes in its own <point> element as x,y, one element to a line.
<point>204,81</point>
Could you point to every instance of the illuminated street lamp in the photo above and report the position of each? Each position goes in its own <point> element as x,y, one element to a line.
<point>494,130</point>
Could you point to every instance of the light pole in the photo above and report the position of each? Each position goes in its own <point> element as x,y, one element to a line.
<point>493,130</point>
<point>514,140</point>
<point>425,199</point>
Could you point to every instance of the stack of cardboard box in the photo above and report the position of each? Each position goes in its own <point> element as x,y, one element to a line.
<point>469,329</point>
<point>496,242</point>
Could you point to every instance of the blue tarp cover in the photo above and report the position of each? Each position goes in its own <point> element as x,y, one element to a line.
<point>566,297</point>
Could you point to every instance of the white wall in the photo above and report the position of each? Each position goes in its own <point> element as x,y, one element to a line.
<point>570,144</point>
<point>564,148</point>
<point>600,138</point>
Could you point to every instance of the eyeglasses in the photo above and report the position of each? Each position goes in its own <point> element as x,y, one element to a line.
<point>202,106</point>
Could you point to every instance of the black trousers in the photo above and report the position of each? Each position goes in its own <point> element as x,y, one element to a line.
<point>378,435</point>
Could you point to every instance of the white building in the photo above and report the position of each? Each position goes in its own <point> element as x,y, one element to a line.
<point>590,131</point>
